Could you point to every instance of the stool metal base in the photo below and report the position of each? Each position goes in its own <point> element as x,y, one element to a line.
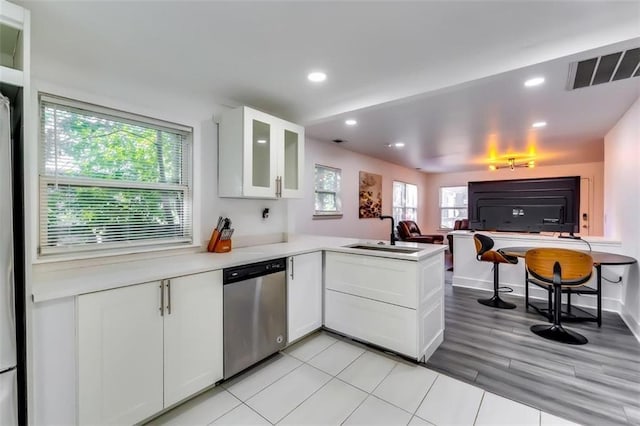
<point>559,334</point>
<point>496,302</point>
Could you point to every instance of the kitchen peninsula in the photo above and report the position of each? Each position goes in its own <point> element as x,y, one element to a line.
<point>391,297</point>
<point>468,272</point>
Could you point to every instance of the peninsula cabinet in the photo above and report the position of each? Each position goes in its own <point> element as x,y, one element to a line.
<point>145,347</point>
<point>395,304</point>
<point>304,295</point>
<point>259,155</point>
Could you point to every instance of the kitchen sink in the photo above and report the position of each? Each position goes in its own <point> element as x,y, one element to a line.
<point>390,249</point>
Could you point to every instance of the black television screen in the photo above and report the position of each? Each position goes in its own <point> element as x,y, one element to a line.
<point>525,205</point>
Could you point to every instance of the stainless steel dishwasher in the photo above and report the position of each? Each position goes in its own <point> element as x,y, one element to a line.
<point>255,313</point>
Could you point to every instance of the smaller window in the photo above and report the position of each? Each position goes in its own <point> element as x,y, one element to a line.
<point>405,201</point>
<point>328,202</point>
<point>453,205</point>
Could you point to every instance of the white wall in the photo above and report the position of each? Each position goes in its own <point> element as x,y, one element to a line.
<point>622,202</point>
<point>351,163</point>
<point>593,171</point>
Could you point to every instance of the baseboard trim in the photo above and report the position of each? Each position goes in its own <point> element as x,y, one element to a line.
<point>431,347</point>
<point>631,322</point>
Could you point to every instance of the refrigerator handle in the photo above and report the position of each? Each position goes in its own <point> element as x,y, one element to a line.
<point>12,295</point>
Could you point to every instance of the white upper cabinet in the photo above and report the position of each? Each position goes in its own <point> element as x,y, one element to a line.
<point>259,156</point>
<point>14,44</point>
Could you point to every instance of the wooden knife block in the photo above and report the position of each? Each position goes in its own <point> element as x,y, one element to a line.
<point>222,246</point>
<point>218,246</point>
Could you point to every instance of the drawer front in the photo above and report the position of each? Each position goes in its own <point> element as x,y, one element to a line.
<point>392,327</point>
<point>378,278</point>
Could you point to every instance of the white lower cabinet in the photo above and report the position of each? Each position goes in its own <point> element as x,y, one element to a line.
<point>393,303</point>
<point>145,347</point>
<point>304,294</point>
<point>192,335</point>
<point>119,355</point>
<point>383,324</point>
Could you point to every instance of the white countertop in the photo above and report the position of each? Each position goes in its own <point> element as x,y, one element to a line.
<point>548,237</point>
<point>48,285</point>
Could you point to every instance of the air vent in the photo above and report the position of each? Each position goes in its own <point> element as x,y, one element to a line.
<point>604,69</point>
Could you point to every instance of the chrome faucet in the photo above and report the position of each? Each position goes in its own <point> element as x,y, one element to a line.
<point>392,237</point>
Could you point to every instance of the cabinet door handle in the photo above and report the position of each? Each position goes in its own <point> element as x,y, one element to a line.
<point>291,275</point>
<point>169,297</point>
<point>161,298</point>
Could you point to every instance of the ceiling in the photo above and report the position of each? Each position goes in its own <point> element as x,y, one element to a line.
<point>445,78</point>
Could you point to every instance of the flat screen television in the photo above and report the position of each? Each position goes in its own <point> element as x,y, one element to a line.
<point>525,205</point>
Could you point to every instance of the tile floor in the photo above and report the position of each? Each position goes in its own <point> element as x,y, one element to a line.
<point>326,380</point>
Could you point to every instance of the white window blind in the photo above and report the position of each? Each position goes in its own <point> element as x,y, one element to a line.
<point>327,191</point>
<point>405,201</point>
<point>110,179</point>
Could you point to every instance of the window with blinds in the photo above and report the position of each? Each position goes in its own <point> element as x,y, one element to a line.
<point>110,179</point>
<point>328,202</point>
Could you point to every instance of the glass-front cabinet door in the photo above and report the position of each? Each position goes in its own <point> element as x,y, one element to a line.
<point>260,159</point>
<point>291,160</point>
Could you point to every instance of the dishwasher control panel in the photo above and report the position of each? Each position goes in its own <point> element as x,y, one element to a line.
<point>253,270</point>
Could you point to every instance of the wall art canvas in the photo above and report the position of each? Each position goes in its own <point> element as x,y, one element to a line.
<point>370,195</point>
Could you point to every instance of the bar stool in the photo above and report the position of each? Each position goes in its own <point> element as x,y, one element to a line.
<point>484,245</point>
<point>559,268</point>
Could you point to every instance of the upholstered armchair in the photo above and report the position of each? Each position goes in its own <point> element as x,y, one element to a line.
<point>408,231</point>
<point>457,225</point>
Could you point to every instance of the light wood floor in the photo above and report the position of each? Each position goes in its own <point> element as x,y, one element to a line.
<point>595,384</point>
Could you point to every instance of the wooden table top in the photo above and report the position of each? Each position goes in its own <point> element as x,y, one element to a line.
<point>599,257</point>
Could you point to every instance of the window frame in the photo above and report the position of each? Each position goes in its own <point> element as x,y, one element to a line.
<point>128,245</point>
<point>404,201</point>
<point>327,214</point>
<point>458,207</point>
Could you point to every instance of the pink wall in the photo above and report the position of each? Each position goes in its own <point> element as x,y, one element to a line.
<point>300,214</point>
<point>592,171</point>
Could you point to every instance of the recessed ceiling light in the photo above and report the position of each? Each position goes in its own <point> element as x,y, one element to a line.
<point>261,141</point>
<point>395,145</point>
<point>539,124</point>
<point>350,122</point>
<point>317,76</point>
<point>536,81</point>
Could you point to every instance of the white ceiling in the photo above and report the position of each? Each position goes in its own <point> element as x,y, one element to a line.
<point>443,77</point>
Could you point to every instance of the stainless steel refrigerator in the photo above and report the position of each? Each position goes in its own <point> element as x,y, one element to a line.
<point>8,346</point>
